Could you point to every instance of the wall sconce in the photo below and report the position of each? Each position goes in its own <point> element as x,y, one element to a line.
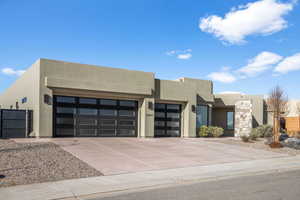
<point>47,99</point>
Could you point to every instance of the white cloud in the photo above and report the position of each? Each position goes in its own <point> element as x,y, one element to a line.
<point>262,17</point>
<point>259,64</point>
<point>170,53</point>
<point>291,63</point>
<point>223,76</point>
<point>231,92</point>
<point>11,71</point>
<point>184,56</point>
<point>180,54</point>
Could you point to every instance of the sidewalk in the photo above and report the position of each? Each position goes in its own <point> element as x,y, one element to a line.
<point>105,184</point>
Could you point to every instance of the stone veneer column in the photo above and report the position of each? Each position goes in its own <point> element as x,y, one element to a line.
<point>243,118</point>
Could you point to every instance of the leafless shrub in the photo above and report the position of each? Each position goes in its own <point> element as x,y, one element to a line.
<point>277,104</point>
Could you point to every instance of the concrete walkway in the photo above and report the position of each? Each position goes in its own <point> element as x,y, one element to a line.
<point>72,189</point>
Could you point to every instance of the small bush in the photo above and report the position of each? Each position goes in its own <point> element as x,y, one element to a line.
<point>253,136</point>
<point>204,131</point>
<point>245,138</point>
<point>263,131</point>
<point>215,131</point>
<point>210,131</point>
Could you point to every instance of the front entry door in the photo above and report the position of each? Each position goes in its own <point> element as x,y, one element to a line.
<point>167,120</point>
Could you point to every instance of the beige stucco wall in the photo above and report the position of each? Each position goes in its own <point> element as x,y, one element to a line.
<point>223,100</point>
<point>94,81</point>
<point>98,81</point>
<point>50,77</point>
<point>27,86</point>
<point>188,91</point>
<point>219,118</point>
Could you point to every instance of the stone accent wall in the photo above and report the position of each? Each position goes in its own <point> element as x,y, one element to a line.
<point>243,118</point>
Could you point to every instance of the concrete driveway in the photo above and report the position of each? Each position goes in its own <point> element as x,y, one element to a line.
<point>124,155</point>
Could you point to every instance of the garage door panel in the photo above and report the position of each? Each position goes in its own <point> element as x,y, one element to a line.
<point>94,117</point>
<point>167,120</point>
<point>126,132</point>
<point>84,132</point>
<point>64,132</point>
<point>107,132</point>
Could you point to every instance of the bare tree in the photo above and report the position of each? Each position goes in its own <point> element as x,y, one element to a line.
<point>277,104</point>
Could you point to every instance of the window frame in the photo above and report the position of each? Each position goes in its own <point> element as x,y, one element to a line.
<point>208,114</point>
<point>233,120</point>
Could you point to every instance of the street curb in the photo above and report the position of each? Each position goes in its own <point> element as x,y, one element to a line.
<point>142,180</point>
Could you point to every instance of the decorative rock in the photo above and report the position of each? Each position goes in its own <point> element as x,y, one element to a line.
<point>292,143</point>
<point>283,136</point>
<point>243,118</point>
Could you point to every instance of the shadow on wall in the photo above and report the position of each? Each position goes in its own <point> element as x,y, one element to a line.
<point>200,100</point>
<point>157,89</point>
<point>219,102</point>
<point>254,122</point>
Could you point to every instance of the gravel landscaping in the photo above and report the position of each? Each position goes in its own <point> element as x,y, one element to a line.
<point>259,144</point>
<point>26,163</point>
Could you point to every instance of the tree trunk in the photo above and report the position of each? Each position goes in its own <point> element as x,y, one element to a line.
<point>276,128</point>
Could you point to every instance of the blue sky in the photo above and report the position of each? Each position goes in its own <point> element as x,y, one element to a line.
<point>244,46</point>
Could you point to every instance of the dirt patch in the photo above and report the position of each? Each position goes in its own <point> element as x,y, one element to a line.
<point>26,163</point>
<point>259,144</point>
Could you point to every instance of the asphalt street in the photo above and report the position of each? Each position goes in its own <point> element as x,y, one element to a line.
<point>276,186</point>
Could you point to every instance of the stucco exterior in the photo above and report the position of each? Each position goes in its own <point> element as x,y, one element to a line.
<point>258,102</point>
<point>50,77</point>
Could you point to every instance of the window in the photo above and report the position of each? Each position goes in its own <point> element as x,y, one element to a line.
<point>108,122</point>
<point>173,124</point>
<point>173,115</point>
<point>127,103</point>
<point>87,101</point>
<point>159,114</point>
<point>202,115</point>
<point>87,122</point>
<point>230,120</point>
<point>69,121</point>
<point>108,112</point>
<point>65,110</point>
<point>126,113</point>
<point>108,102</point>
<point>160,106</point>
<point>127,123</point>
<point>87,111</point>
<point>65,99</point>
<point>173,107</point>
<point>159,123</point>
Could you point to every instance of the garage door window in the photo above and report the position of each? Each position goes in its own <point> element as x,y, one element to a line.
<point>65,110</point>
<point>108,102</point>
<point>126,113</point>
<point>61,99</point>
<point>77,116</point>
<point>167,120</point>
<point>87,101</point>
<point>87,111</point>
<point>108,112</point>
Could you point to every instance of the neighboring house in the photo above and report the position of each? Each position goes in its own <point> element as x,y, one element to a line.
<point>292,117</point>
<point>71,99</point>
